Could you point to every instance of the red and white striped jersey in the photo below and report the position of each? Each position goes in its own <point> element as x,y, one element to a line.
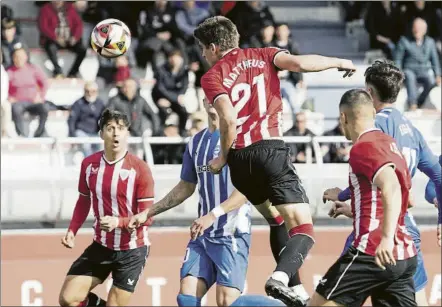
<point>372,152</point>
<point>250,78</point>
<point>120,188</point>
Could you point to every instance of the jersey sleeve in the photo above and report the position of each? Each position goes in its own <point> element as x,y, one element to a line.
<point>83,187</point>
<point>270,54</point>
<point>145,184</point>
<point>212,85</point>
<point>368,160</point>
<point>188,172</point>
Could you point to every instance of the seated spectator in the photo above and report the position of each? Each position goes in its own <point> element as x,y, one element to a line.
<point>187,19</point>
<point>158,34</point>
<point>130,102</point>
<point>5,105</point>
<point>298,150</point>
<point>172,81</point>
<point>265,37</point>
<point>117,70</point>
<point>61,28</point>
<point>383,24</point>
<point>197,125</point>
<point>10,41</point>
<point>426,11</point>
<point>170,153</point>
<point>27,91</point>
<point>417,57</point>
<point>335,152</point>
<point>289,80</point>
<point>84,116</point>
<point>353,9</point>
<point>250,17</point>
<point>8,13</point>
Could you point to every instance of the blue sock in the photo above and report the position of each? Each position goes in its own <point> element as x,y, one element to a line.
<point>256,300</point>
<point>188,300</point>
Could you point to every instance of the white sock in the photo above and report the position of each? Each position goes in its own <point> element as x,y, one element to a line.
<point>300,291</point>
<point>281,276</point>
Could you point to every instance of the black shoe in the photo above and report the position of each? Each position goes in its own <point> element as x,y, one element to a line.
<point>279,291</point>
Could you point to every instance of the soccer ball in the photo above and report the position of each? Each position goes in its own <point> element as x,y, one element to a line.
<point>111,38</point>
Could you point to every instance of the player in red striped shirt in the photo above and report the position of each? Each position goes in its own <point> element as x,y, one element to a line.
<point>382,261</point>
<point>117,185</point>
<point>244,88</point>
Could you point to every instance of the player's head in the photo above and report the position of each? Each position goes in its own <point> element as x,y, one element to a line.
<point>114,130</point>
<point>383,80</point>
<point>216,35</point>
<point>356,113</point>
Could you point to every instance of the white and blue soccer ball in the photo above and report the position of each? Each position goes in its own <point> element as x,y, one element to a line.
<point>111,38</point>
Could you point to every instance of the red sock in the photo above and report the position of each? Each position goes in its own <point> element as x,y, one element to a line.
<point>275,221</point>
<point>84,303</point>
<point>306,229</point>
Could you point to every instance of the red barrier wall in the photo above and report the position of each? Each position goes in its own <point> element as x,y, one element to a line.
<point>34,265</point>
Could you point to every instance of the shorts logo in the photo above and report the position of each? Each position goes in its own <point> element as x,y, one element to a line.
<point>130,282</point>
<point>323,281</point>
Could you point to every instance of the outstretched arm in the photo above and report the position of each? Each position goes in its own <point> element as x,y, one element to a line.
<point>235,201</point>
<point>312,63</point>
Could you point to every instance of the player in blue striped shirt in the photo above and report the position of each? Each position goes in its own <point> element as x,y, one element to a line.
<point>219,249</point>
<point>383,81</point>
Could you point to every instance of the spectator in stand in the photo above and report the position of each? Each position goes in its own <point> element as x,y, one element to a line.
<point>265,36</point>
<point>197,125</point>
<point>129,101</point>
<point>383,23</point>
<point>27,91</point>
<point>8,13</point>
<point>289,80</point>
<point>84,116</point>
<point>426,11</point>
<point>61,28</point>
<point>117,70</point>
<point>353,9</point>
<point>172,81</point>
<point>170,153</point>
<point>250,17</point>
<point>10,41</point>
<point>417,57</point>
<point>335,152</point>
<point>187,19</point>
<point>158,34</point>
<point>5,105</point>
<point>298,150</point>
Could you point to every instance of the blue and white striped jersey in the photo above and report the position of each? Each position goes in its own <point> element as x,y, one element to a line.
<point>412,145</point>
<point>213,189</point>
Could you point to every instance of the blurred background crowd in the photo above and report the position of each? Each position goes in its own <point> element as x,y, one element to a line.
<point>54,85</point>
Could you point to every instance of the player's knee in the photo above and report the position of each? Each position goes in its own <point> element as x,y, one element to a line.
<point>226,296</point>
<point>188,300</point>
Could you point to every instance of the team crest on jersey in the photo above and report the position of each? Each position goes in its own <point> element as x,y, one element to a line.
<point>216,151</point>
<point>94,170</point>
<point>124,173</point>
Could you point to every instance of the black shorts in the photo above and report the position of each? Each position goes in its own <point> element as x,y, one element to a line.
<point>98,261</point>
<point>355,276</point>
<point>264,171</point>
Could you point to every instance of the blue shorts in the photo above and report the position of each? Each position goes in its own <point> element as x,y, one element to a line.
<point>420,277</point>
<point>223,260</point>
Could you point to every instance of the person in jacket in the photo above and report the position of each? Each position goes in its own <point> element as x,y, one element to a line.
<point>141,115</point>
<point>10,40</point>
<point>84,116</point>
<point>61,28</point>
<point>172,81</point>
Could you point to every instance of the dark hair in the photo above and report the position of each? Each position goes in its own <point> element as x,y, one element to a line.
<point>355,98</point>
<point>110,115</point>
<point>219,31</point>
<point>386,79</point>
<point>174,52</point>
